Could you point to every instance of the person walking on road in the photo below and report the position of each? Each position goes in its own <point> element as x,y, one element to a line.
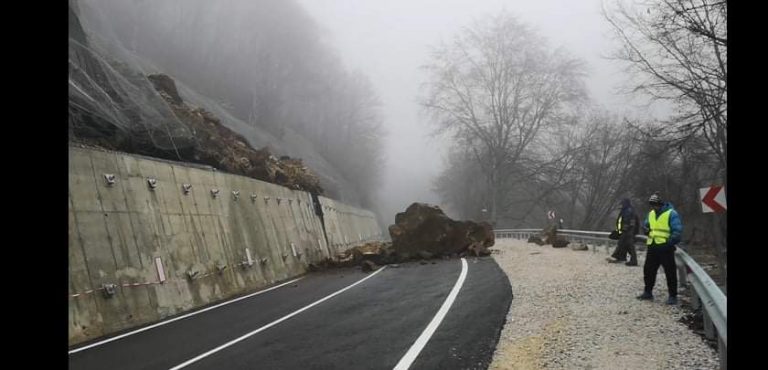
<point>664,229</point>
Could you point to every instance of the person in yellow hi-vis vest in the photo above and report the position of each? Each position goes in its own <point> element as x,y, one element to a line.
<point>627,226</point>
<point>664,230</point>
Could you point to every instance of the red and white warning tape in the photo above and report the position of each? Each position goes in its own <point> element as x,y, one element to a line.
<point>129,285</point>
<point>90,291</point>
<point>140,284</point>
<point>85,292</point>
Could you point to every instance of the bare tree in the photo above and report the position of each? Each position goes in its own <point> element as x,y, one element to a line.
<point>535,183</point>
<point>538,181</point>
<point>678,50</point>
<point>457,185</point>
<point>605,161</point>
<point>494,88</point>
<point>582,170</point>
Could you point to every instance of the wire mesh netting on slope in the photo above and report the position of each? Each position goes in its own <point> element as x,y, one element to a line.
<point>115,104</point>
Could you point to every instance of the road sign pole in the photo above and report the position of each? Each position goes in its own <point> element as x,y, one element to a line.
<point>719,223</point>
<point>713,201</point>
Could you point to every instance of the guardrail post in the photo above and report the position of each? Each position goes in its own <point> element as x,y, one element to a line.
<point>723,352</point>
<point>695,302</point>
<point>709,327</point>
<point>682,274</point>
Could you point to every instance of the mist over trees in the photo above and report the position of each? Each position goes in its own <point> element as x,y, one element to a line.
<point>267,64</point>
<point>496,88</point>
<point>526,140</point>
<point>677,52</point>
<point>526,137</point>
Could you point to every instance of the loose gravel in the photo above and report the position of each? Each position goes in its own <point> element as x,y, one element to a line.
<point>573,310</point>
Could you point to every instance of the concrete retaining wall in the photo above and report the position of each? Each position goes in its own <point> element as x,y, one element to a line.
<point>348,226</point>
<point>119,233</point>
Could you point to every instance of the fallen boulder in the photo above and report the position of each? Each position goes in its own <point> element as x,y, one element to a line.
<point>375,252</point>
<point>424,228</point>
<point>559,241</point>
<point>580,247</point>
<point>423,232</point>
<point>535,239</point>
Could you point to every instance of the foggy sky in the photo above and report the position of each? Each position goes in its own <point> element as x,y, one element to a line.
<point>388,41</point>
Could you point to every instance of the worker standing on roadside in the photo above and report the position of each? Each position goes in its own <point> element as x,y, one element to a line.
<point>664,230</point>
<point>627,226</point>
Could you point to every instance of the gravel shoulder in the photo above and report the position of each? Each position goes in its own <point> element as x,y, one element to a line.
<point>573,310</point>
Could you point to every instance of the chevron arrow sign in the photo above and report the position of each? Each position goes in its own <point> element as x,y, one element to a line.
<point>713,199</point>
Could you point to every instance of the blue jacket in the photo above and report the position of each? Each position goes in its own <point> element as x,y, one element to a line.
<point>675,224</point>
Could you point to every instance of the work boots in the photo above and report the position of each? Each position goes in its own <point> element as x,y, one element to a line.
<point>645,296</point>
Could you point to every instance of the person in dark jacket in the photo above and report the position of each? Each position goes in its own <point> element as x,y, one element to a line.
<point>627,226</point>
<point>664,229</point>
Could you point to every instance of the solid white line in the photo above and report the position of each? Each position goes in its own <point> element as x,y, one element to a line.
<point>273,323</point>
<point>179,318</point>
<point>419,344</point>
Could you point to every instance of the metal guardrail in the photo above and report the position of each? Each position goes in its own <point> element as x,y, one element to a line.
<point>515,233</point>
<point>705,293</point>
<point>595,238</point>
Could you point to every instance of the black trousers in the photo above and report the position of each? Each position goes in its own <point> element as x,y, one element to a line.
<point>660,255</point>
<point>625,244</point>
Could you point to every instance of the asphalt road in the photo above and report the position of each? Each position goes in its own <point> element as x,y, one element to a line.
<point>356,324</point>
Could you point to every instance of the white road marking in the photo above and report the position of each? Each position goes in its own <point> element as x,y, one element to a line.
<point>273,323</point>
<point>178,318</point>
<point>420,342</point>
